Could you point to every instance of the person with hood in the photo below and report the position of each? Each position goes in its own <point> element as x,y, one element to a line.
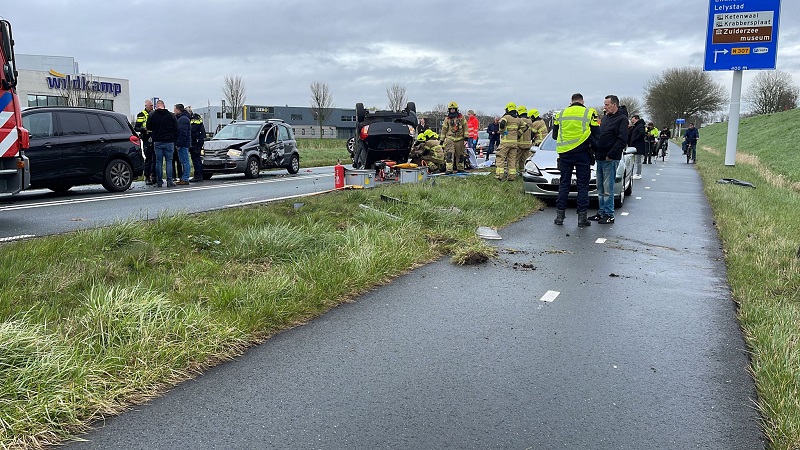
<point>454,132</point>
<point>183,141</point>
<point>637,140</point>
<point>163,128</point>
<point>612,140</point>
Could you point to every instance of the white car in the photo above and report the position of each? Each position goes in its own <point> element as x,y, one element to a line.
<point>541,176</point>
<point>483,142</point>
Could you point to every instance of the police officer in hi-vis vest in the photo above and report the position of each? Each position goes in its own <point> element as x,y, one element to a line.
<point>506,154</point>
<point>572,129</point>
<point>147,142</point>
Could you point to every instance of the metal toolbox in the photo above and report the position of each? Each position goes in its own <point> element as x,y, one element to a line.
<point>413,175</point>
<point>359,177</point>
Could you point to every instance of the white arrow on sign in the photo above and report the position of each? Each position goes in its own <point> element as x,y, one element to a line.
<point>724,52</point>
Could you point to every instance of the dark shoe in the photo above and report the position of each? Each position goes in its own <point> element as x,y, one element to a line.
<point>196,180</point>
<point>149,182</point>
<point>582,220</point>
<point>159,185</point>
<point>182,183</point>
<point>606,220</point>
<point>170,184</point>
<point>596,217</point>
<point>560,215</point>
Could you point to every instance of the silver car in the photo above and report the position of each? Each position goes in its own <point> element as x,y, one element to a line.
<point>541,176</point>
<point>483,142</point>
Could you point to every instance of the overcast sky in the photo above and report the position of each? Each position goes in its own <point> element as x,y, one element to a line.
<point>480,54</point>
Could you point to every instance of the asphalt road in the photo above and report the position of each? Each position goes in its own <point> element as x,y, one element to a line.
<point>638,349</point>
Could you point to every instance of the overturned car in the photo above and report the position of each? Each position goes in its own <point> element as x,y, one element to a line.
<point>382,135</point>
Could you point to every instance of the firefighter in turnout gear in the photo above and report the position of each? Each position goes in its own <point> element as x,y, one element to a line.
<point>506,159</point>
<point>147,142</point>
<point>428,150</point>
<point>524,148</point>
<point>538,128</point>
<point>454,132</point>
<point>575,128</point>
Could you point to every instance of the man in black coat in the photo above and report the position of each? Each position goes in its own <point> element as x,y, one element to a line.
<point>198,131</point>
<point>163,128</point>
<point>637,140</point>
<point>612,140</point>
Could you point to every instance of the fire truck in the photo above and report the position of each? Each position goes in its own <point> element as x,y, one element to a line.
<point>15,172</point>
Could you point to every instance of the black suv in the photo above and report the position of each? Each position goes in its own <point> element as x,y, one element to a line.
<point>72,146</point>
<point>250,146</point>
<point>383,135</point>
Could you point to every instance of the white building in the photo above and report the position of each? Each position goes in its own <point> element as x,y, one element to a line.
<point>54,80</point>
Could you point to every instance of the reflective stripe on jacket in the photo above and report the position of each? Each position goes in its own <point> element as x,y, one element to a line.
<point>574,126</point>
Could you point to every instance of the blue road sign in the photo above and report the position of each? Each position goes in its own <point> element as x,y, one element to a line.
<point>742,35</point>
<point>680,120</point>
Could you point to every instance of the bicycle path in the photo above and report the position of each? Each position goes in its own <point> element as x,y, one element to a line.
<point>639,349</point>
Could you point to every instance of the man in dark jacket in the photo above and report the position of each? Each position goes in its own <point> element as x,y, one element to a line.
<point>612,140</point>
<point>637,140</point>
<point>690,137</point>
<point>494,136</point>
<point>163,128</point>
<point>147,142</point>
<point>183,141</point>
<point>198,139</point>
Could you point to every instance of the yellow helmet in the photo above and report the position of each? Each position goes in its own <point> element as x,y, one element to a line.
<point>522,110</point>
<point>452,105</point>
<point>421,137</point>
<point>533,112</point>
<point>510,106</point>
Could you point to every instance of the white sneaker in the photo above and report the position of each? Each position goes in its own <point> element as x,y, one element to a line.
<point>637,177</point>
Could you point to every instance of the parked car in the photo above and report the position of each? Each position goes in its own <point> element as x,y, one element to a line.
<point>383,135</point>
<point>73,146</point>
<point>249,147</point>
<point>541,176</point>
<point>483,142</point>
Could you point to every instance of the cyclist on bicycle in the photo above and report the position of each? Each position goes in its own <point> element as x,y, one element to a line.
<point>663,140</point>
<point>691,136</point>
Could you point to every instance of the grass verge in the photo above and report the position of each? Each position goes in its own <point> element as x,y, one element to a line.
<point>94,321</point>
<point>760,231</point>
<point>322,152</point>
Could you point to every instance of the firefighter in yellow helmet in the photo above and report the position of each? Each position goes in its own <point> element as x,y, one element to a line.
<point>506,159</point>
<point>572,129</point>
<point>428,150</point>
<point>538,128</point>
<point>524,148</point>
<point>454,132</point>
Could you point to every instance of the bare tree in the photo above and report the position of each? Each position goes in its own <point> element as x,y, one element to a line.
<point>772,91</point>
<point>683,92</point>
<point>633,105</point>
<point>234,91</point>
<point>397,97</point>
<point>437,117</point>
<point>321,103</point>
<point>82,90</point>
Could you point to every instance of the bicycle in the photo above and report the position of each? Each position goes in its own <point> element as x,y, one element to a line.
<point>690,152</point>
<point>663,147</point>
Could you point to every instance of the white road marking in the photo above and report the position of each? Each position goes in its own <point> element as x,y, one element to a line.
<point>624,214</point>
<point>647,187</point>
<point>653,179</point>
<point>549,296</point>
<point>157,191</point>
<point>600,241</point>
<point>638,198</point>
<point>17,238</point>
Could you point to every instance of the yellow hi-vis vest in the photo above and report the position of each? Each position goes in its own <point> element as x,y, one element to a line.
<point>574,127</point>
<point>509,130</point>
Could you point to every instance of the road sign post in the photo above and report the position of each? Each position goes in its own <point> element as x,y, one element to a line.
<point>742,35</point>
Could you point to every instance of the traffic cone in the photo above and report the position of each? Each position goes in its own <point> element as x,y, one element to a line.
<point>480,155</point>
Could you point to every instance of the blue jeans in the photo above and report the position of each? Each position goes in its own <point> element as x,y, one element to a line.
<point>163,152</point>
<point>577,160</point>
<point>606,176</point>
<point>183,157</point>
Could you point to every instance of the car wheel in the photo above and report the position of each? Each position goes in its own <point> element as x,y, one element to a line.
<point>350,144</point>
<point>252,169</point>
<point>411,107</point>
<point>361,113</point>
<point>294,165</point>
<point>207,175</point>
<point>60,188</point>
<point>118,176</point>
<point>629,189</point>
<point>618,202</point>
<point>359,156</point>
